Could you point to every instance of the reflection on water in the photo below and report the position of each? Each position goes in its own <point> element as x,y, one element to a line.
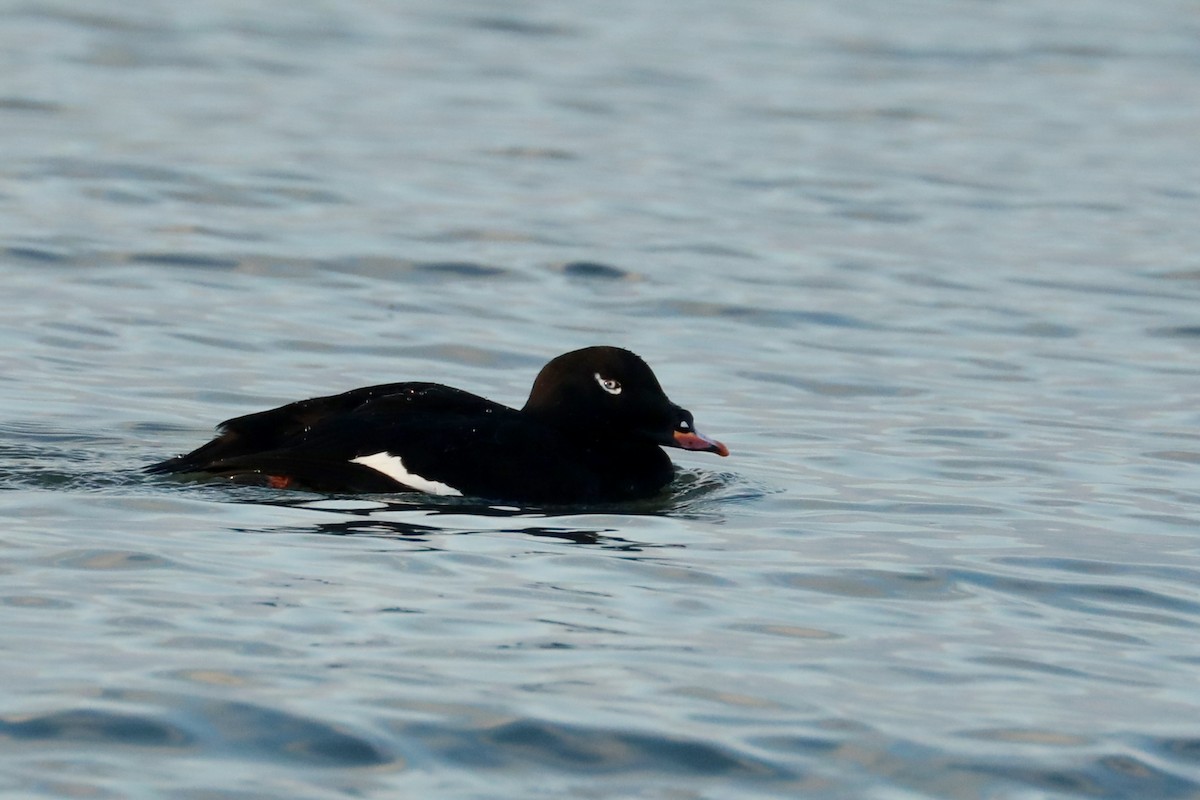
<point>694,495</point>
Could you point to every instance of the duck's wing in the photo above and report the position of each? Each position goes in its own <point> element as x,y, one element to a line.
<point>257,437</point>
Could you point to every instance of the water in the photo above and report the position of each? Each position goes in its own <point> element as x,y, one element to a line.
<point>929,269</point>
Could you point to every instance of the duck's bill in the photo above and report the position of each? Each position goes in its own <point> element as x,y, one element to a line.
<point>692,440</point>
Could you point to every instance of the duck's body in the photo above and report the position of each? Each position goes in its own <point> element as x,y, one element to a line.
<point>590,432</point>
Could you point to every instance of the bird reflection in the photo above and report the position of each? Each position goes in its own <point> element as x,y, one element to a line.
<point>396,519</point>
<point>421,519</point>
<point>413,532</point>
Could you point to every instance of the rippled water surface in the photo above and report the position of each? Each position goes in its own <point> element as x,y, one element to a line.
<point>930,269</point>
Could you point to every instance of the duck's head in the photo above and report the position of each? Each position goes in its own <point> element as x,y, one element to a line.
<point>604,392</point>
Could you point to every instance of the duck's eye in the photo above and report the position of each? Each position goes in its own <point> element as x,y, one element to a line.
<point>608,384</point>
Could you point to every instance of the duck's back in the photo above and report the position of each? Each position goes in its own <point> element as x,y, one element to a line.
<point>290,427</point>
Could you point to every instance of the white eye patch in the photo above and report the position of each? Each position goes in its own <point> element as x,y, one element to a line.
<point>608,384</point>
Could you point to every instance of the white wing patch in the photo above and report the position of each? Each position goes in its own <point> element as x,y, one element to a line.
<point>394,468</point>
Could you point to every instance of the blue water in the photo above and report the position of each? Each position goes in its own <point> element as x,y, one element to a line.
<point>929,269</point>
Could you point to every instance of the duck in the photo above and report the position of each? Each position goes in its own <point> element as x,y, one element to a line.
<point>592,431</point>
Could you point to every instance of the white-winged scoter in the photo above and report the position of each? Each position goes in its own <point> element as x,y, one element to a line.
<point>590,432</point>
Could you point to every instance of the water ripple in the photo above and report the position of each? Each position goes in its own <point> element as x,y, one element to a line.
<point>239,730</point>
<point>590,751</point>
